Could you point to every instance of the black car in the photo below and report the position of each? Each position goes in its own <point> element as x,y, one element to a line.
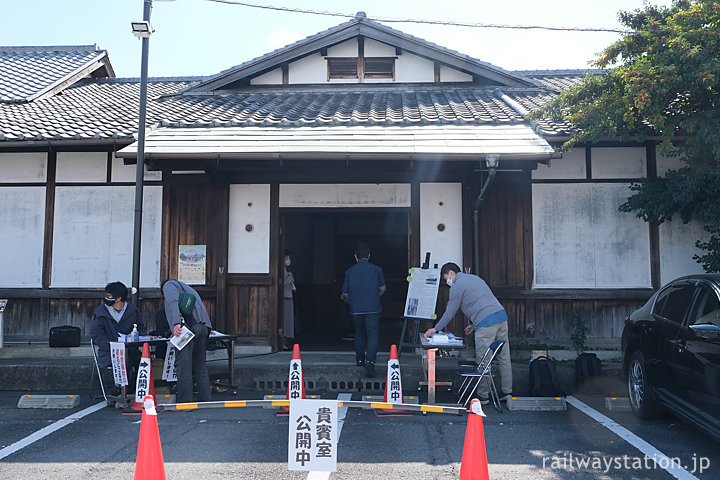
<point>671,352</point>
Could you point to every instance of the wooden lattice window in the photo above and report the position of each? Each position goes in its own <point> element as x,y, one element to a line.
<point>380,67</point>
<point>342,68</point>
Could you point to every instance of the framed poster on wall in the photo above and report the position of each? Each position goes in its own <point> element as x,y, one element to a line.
<point>192,264</point>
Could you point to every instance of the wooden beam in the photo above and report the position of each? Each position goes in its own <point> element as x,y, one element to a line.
<point>275,256</point>
<point>436,67</point>
<point>361,59</point>
<point>49,220</point>
<point>654,228</point>
<point>285,73</point>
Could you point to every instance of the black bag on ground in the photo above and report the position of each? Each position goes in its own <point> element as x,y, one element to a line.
<point>65,336</point>
<point>587,365</point>
<point>543,378</point>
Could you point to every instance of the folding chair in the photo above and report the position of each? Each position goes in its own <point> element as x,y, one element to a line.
<point>97,369</point>
<point>479,371</point>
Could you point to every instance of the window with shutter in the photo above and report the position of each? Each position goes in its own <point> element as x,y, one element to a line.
<point>342,68</point>
<point>380,67</point>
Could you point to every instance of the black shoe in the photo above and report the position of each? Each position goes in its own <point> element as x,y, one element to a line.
<point>370,369</point>
<point>505,396</point>
<point>360,363</point>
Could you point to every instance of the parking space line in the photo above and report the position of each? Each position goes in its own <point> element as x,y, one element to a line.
<point>44,432</point>
<point>342,411</point>
<point>660,459</point>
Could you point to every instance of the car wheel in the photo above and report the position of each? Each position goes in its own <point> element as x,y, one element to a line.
<point>641,400</point>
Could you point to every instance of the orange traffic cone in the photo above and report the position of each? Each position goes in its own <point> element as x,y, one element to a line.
<point>474,465</point>
<point>144,384</point>
<point>149,464</point>
<point>296,383</point>
<point>393,381</point>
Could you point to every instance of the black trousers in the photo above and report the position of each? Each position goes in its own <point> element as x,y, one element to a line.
<point>189,363</point>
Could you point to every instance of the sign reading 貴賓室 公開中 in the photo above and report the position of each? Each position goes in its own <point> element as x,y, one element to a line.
<point>313,435</point>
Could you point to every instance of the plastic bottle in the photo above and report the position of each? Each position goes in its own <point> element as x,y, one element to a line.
<point>135,335</point>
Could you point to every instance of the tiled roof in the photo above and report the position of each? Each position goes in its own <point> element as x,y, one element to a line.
<point>557,80</point>
<point>108,108</point>
<point>26,73</point>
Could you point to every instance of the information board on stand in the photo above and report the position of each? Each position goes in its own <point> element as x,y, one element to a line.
<point>422,293</point>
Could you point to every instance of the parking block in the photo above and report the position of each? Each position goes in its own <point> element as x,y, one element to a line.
<point>617,404</point>
<point>49,401</point>
<point>537,404</point>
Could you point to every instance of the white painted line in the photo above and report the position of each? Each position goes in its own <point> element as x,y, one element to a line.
<point>342,411</point>
<point>660,459</point>
<point>44,432</point>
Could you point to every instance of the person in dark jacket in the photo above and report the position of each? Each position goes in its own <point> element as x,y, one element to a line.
<point>364,284</point>
<point>114,317</point>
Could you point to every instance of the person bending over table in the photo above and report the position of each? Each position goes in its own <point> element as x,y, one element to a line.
<point>114,317</point>
<point>190,361</point>
<point>488,320</point>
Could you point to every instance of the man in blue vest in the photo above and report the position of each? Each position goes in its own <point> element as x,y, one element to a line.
<point>364,285</point>
<point>488,319</point>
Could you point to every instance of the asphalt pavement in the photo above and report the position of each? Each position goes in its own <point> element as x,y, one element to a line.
<point>253,443</point>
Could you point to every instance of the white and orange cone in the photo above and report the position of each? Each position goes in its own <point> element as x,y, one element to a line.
<point>149,464</point>
<point>474,465</point>
<point>144,385</point>
<point>296,382</point>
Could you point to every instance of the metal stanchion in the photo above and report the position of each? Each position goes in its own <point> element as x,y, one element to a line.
<point>3,304</point>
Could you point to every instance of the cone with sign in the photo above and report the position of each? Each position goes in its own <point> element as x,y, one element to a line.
<point>144,385</point>
<point>149,464</point>
<point>296,382</point>
<point>474,465</point>
<point>393,387</point>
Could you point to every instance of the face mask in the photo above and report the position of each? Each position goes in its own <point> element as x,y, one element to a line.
<point>449,282</point>
<point>109,301</point>
<point>287,262</point>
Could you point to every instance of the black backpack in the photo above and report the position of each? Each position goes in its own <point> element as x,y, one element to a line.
<point>543,378</point>
<point>587,365</point>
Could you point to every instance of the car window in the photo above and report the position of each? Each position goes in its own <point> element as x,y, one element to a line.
<point>677,303</point>
<point>706,309</point>
<point>661,299</point>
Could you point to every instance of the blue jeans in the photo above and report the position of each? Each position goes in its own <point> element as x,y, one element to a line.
<point>367,328</point>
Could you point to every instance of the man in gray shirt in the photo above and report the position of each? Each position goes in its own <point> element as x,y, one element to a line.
<point>190,361</point>
<point>488,320</point>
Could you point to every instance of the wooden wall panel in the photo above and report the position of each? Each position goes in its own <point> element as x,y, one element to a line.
<point>248,309</point>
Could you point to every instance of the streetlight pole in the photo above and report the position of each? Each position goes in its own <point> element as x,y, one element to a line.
<point>140,166</point>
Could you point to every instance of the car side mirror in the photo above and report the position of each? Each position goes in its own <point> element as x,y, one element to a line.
<point>706,330</point>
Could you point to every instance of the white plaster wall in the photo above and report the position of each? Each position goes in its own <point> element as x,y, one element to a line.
<point>21,236</point>
<point>411,68</point>
<point>373,48</point>
<point>345,195</point>
<point>249,252</point>
<point>273,77</point>
<point>677,247</point>
<point>580,240</point>
<point>81,167</point>
<point>441,203</point>
<point>348,48</point>
<point>618,162</point>
<point>449,74</point>
<point>310,69</point>
<point>93,236</point>
<point>570,166</point>
<point>668,163</point>
<point>23,167</point>
<point>126,173</point>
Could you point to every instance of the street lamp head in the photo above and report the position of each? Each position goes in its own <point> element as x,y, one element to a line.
<point>492,160</point>
<point>142,29</point>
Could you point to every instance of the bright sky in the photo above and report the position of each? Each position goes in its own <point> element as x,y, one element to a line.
<point>200,37</point>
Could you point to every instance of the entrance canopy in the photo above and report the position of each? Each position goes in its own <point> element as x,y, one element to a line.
<point>432,142</point>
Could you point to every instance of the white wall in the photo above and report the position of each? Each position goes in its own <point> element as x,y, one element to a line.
<point>441,203</point>
<point>677,247</point>
<point>570,167</point>
<point>668,163</point>
<point>83,167</point>
<point>273,77</point>
<point>23,167</point>
<point>249,251</point>
<point>310,69</point>
<point>126,173</point>
<point>449,74</point>
<point>581,240</point>
<point>22,210</point>
<point>93,236</point>
<point>618,162</point>
<point>411,68</point>
<point>345,195</point>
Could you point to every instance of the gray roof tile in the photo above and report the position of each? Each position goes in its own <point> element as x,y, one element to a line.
<point>28,72</point>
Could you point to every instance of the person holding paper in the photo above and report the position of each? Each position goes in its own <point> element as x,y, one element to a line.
<point>363,286</point>
<point>190,359</point>
<point>115,317</point>
<point>488,319</point>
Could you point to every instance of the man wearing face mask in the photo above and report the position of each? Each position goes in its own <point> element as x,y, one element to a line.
<point>288,332</point>
<point>488,319</point>
<point>114,317</point>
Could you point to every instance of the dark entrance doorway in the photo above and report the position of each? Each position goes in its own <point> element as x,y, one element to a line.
<point>322,245</point>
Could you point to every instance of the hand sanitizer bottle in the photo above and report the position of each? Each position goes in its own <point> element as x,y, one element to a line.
<point>135,335</point>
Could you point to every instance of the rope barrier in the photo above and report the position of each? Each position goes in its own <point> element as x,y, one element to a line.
<point>341,403</point>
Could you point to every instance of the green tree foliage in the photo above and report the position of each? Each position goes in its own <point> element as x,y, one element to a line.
<point>662,81</point>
